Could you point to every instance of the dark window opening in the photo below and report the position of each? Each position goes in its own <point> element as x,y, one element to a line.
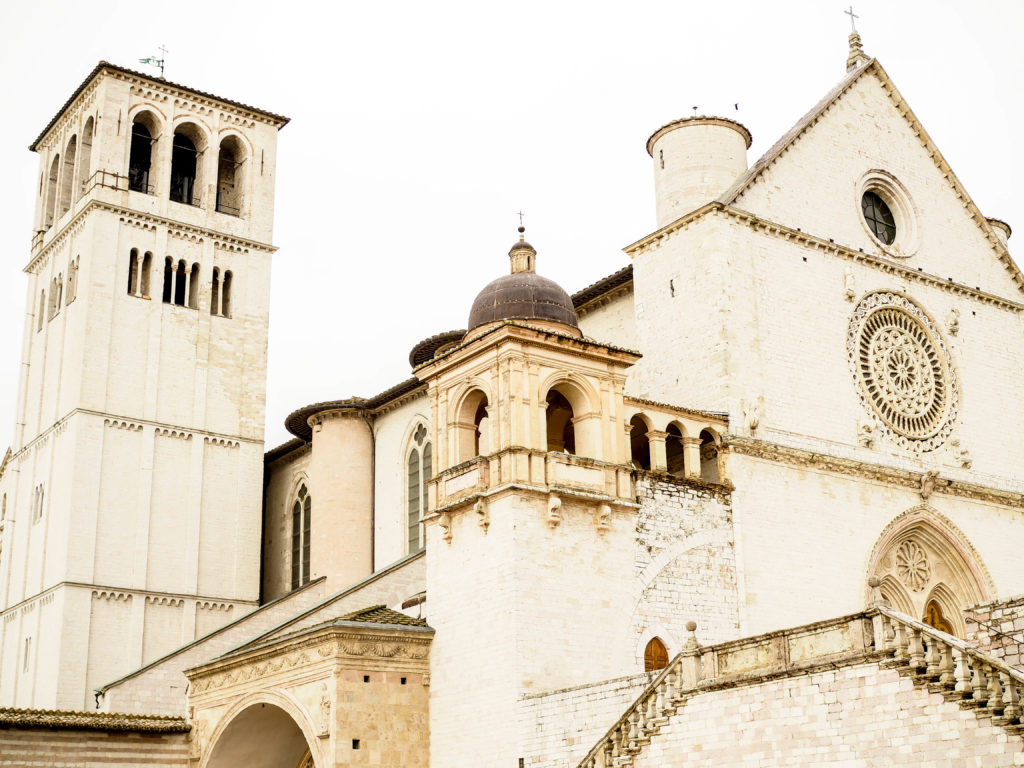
<point>168,279</point>
<point>225,295</point>
<point>180,277</point>
<point>561,433</point>
<point>140,158</point>
<point>879,218</point>
<point>674,453</point>
<point>639,444</point>
<point>184,164</point>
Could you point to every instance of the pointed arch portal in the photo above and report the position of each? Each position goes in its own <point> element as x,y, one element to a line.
<point>928,569</point>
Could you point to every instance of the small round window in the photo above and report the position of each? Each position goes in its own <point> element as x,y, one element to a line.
<point>888,214</point>
<point>878,217</point>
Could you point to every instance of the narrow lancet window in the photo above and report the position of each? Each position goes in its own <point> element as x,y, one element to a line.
<point>302,528</point>
<point>68,175</point>
<point>168,291</point>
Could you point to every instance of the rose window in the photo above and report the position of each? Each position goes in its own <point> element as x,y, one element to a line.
<point>902,370</point>
<point>912,565</point>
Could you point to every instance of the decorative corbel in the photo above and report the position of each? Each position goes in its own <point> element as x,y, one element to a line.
<point>866,432</point>
<point>446,526</point>
<point>483,515</point>
<point>603,517</point>
<point>554,510</point>
<point>928,480</point>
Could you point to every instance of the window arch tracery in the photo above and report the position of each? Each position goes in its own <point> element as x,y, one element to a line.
<point>302,513</point>
<point>418,469</point>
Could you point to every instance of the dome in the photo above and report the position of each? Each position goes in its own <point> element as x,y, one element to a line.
<point>522,295</point>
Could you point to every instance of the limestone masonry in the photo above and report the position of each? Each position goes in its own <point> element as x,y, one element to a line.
<point>754,499</point>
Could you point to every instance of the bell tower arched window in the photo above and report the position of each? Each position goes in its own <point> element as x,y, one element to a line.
<point>419,468</point>
<point>302,511</point>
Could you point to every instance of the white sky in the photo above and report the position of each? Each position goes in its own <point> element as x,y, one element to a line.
<point>419,129</point>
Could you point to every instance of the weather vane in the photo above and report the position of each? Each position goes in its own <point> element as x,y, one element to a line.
<point>853,16</point>
<point>156,61</point>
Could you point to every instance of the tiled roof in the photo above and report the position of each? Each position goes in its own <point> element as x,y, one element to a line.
<point>379,614</point>
<point>92,721</point>
<point>157,81</point>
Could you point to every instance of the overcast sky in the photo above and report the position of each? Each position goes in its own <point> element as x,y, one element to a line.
<point>419,129</point>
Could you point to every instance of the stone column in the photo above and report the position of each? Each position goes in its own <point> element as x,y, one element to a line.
<point>659,459</point>
<point>691,456</point>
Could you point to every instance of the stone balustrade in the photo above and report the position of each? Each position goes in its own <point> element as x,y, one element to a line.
<point>545,470</point>
<point>942,663</point>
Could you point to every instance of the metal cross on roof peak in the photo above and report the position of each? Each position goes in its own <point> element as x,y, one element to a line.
<point>521,218</point>
<point>853,16</point>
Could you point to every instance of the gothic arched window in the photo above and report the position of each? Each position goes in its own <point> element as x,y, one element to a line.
<point>301,529</point>
<point>419,468</point>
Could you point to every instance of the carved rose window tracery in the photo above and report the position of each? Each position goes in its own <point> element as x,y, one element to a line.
<point>902,370</point>
<point>912,565</point>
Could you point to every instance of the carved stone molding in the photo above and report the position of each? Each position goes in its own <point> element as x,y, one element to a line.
<point>761,449</point>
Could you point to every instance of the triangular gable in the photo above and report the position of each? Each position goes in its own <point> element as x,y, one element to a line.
<point>734,195</point>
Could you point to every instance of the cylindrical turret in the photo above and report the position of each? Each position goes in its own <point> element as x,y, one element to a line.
<point>1002,230</point>
<point>342,476</point>
<point>696,159</point>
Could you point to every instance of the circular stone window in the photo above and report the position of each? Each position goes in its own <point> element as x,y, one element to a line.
<point>887,214</point>
<point>903,373</point>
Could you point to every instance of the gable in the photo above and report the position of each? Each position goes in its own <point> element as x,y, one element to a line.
<point>863,136</point>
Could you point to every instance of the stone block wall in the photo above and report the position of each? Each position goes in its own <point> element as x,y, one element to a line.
<point>859,714</point>
<point>997,628</point>
<point>685,566</point>
<point>44,747</point>
<point>557,728</point>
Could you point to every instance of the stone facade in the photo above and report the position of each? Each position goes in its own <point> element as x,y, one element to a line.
<point>134,476</point>
<point>781,411</point>
<point>997,628</point>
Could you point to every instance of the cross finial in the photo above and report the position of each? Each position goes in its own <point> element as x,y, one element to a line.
<point>853,17</point>
<point>521,214</point>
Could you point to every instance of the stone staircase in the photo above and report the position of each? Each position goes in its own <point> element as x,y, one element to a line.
<point>932,659</point>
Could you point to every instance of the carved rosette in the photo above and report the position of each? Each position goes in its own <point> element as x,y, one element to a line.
<point>912,565</point>
<point>902,370</point>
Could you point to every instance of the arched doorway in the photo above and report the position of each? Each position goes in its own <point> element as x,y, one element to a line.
<point>262,735</point>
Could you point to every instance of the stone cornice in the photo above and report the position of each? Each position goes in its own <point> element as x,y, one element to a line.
<point>175,229</point>
<point>319,643</point>
<point>90,721</point>
<point>130,423</point>
<point>783,454</point>
<point>719,416</point>
<point>518,333</point>
<point>824,245</point>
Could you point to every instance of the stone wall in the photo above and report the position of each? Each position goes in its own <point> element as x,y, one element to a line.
<point>685,566</point>
<point>855,715</point>
<point>47,748</point>
<point>557,728</point>
<point>997,628</point>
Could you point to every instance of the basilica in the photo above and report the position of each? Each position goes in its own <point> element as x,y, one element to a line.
<point>752,499</point>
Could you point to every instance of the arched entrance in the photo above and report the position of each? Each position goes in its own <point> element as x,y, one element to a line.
<point>928,569</point>
<point>261,735</point>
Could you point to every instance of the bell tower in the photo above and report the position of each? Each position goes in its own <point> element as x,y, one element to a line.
<point>532,514</point>
<point>132,493</point>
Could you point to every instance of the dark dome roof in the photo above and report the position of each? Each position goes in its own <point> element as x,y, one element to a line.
<point>522,296</point>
